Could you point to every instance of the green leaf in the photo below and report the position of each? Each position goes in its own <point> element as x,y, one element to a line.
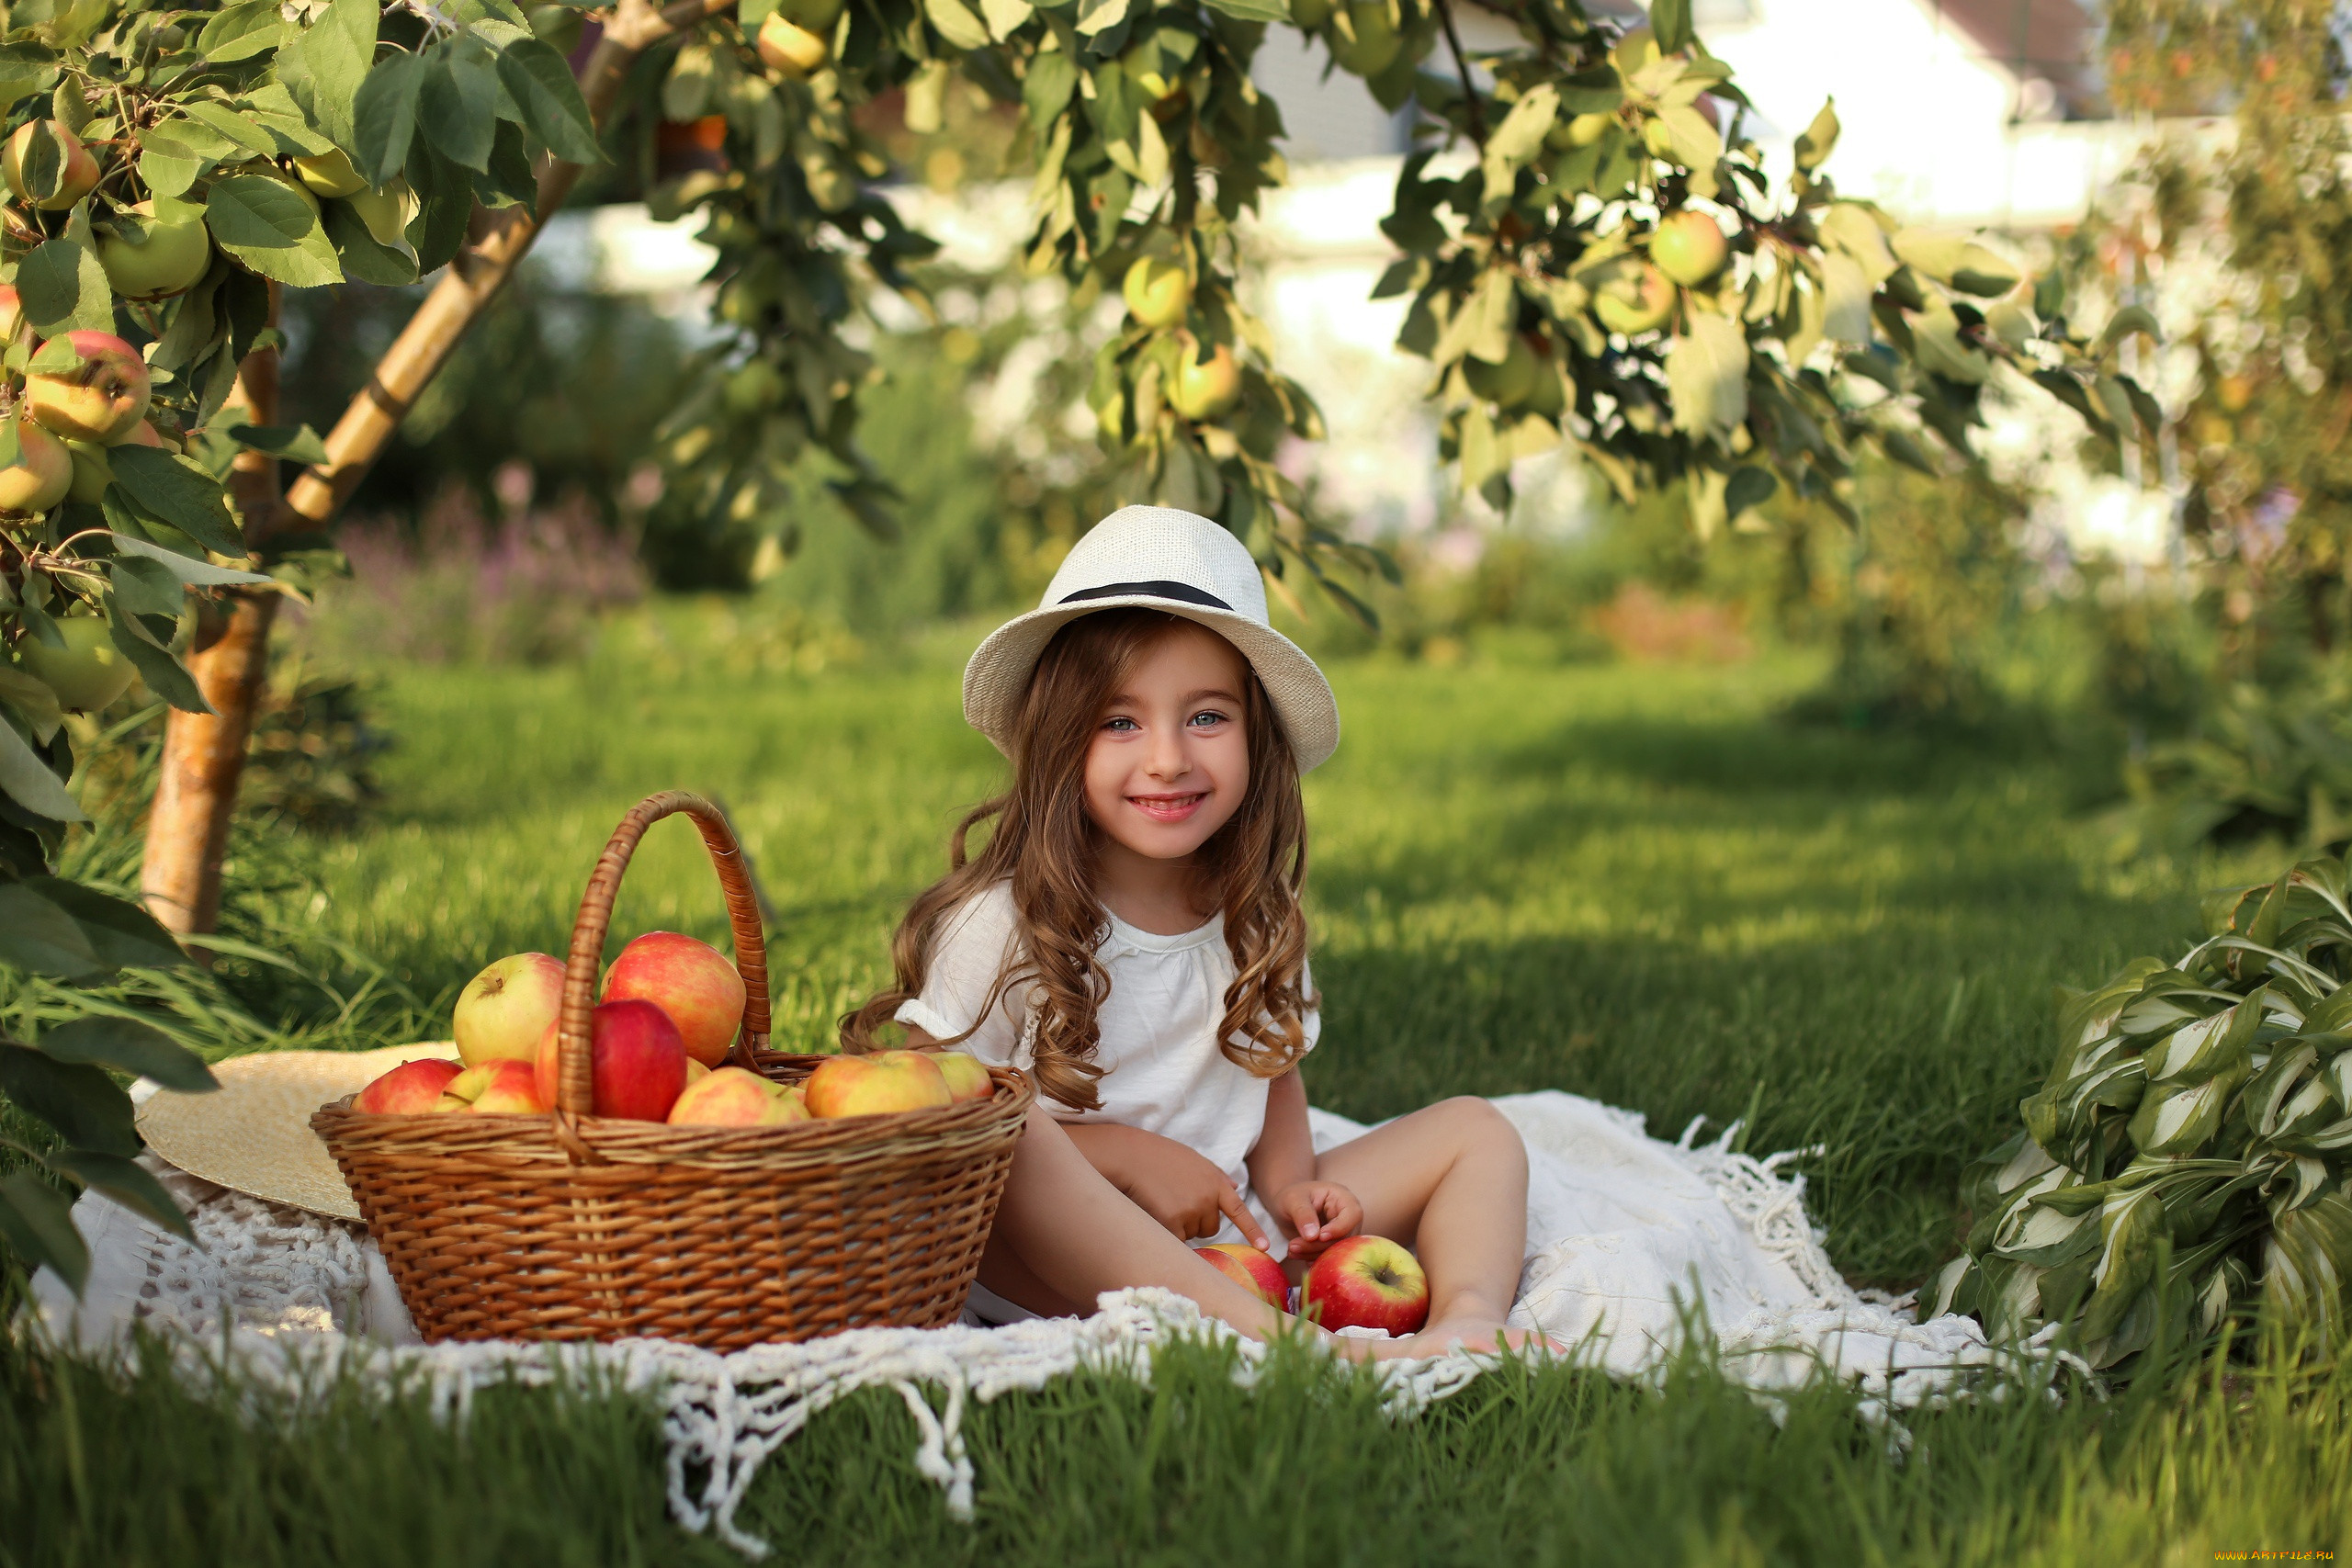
<point>1101,16</point>
<point>148,587</point>
<point>269,226</point>
<point>128,1045</point>
<point>241,31</point>
<point>383,116</point>
<point>39,937</point>
<point>2129,319</point>
<point>1670,24</point>
<point>25,69</point>
<point>273,111</point>
<point>1749,487</point>
<point>1820,137</point>
<point>86,1106</point>
<point>179,491</point>
<point>184,569</point>
<point>1597,91</point>
<point>238,131</point>
<point>1046,92</point>
<point>64,288</point>
<point>539,81</point>
<point>165,675</point>
<point>126,1182</point>
<point>458,104</point>
<point>322,69</point>
<point>1706,375</point>
<point>1253,10</point>
<point>37,1219</point>
<point>296,443</point>
<point>123,934</point>
<point>30,782</point>
<point>954,21</point>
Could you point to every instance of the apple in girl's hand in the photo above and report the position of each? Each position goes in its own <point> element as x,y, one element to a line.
<point>1367,1281</point>
<point>967,1078</point>
<point>1250,1269</point>
<point>408,1088</point>
<point>878,1085</point>
<point>691,981</point>
<point>734,1097</point>
<point>504,1010</point>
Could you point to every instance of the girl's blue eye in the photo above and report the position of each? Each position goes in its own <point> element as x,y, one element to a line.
<point>1207,718</point>
<point>1120,723</point>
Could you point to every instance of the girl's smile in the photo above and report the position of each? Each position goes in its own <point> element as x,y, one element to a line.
<point>1168,807</point>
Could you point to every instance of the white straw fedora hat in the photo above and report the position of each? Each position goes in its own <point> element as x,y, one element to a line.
<point>1156,558</point>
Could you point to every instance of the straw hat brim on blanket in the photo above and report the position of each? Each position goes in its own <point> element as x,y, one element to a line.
<point>254,1134</point>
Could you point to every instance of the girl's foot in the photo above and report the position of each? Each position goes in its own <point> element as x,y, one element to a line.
<point>1466,1333</point>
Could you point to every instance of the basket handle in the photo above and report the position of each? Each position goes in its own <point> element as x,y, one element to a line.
<point>575,1091</point>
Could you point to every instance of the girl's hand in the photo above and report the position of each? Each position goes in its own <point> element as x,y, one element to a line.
<point>1318,1214</point>
<point>1167,1180</point>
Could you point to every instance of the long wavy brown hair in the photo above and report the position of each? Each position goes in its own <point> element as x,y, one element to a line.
<point>1043,844</point>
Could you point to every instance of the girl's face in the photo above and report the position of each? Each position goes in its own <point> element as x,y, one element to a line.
<point>1170,762</point>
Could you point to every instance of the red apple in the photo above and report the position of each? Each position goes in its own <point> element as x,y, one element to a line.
<point>1250,1269</point>
<point>967,1077</point>
<point>734,1097</point>
<point>637,1063</point>
<point>12,312</point>
<point>101,399</point>
<point>504,1010</point>
<point>1367,1281</point>
<point>878,1085</point>
<point>691,981</point>
<point>408,1088</point>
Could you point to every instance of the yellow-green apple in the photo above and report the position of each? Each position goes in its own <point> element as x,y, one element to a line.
<point>104,395</point>
<point>503,1087</point>
<point>733,1097</point>
<point>1367,1281</point>
<point>1634,299</point>
<point>387,211</point>
<point>886,1082</point>
<point>1158,292</point>
<point>330,173</point>
<point>1690,248</point>
<point>504,1010</point>
<point>967,1077</point>
<point>407,1089</point>
<point>148,259</point>
<point>1308,15</point>
<point>1250,1269</point>
<point>1204,388</point>
<point>816,16</point>
<point>695,1072</point>
<point>1375,44</point>
<point>43,474</point>
<point>87,673</point>
<point>691,981</point>
<point>1584,129</point>
<point>785,46</point>
<point>12,312</point>
<point>1508,383</point>
<point>637,1064</point>
<point>47,165</point>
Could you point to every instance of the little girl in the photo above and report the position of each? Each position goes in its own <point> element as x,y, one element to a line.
<point>1131,936</point>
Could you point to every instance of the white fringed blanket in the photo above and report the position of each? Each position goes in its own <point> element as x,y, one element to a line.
<point>1629,1239</point>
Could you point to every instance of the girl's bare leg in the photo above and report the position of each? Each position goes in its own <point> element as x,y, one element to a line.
<point>1450,1182</point>
<point>1064,1236</point>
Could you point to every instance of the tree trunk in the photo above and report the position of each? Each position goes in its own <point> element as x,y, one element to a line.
<point>204,754</point>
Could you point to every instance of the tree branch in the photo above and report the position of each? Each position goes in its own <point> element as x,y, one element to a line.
<point>1462,69</point>
<point>477,273</point>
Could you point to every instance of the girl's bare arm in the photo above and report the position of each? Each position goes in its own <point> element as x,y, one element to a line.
<point>1282,1169</point>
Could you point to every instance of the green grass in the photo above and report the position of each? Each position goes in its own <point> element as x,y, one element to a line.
<point>1634,884</point>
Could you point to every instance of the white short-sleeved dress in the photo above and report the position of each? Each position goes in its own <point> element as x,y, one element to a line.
<point>1162,1070</point>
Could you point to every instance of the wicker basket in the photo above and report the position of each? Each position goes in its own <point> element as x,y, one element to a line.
<point>574,1227</point>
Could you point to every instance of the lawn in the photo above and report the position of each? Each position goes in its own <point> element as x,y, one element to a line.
<point>1636,884</point>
